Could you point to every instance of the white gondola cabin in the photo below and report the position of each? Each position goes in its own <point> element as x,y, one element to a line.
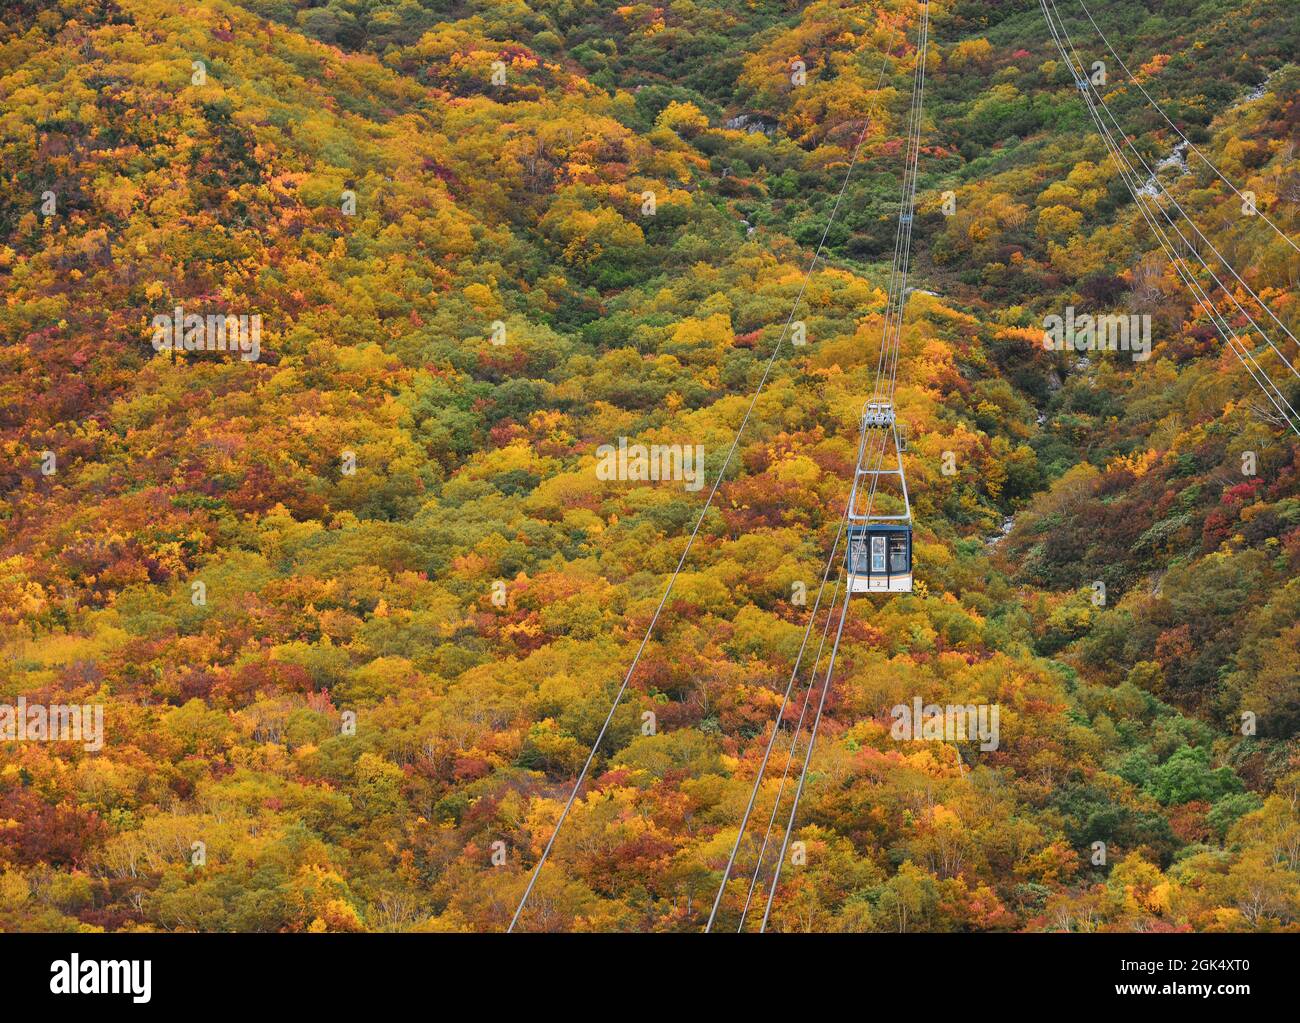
<point>880,558</point>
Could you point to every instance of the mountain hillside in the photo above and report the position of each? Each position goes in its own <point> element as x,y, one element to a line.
<point>356,608</point>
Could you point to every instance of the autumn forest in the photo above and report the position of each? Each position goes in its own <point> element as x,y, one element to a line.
<point>333,334</point>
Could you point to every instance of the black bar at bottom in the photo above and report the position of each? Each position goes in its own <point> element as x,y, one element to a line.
<point>203,974</point>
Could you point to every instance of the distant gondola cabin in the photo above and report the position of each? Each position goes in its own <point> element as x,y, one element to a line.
<point>880,558</point>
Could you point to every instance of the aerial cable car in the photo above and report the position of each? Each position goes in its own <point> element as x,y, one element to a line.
<point>879,553</point>
<point>878,556</point>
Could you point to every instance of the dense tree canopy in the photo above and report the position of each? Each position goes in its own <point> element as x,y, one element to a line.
<point>484,239</point>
